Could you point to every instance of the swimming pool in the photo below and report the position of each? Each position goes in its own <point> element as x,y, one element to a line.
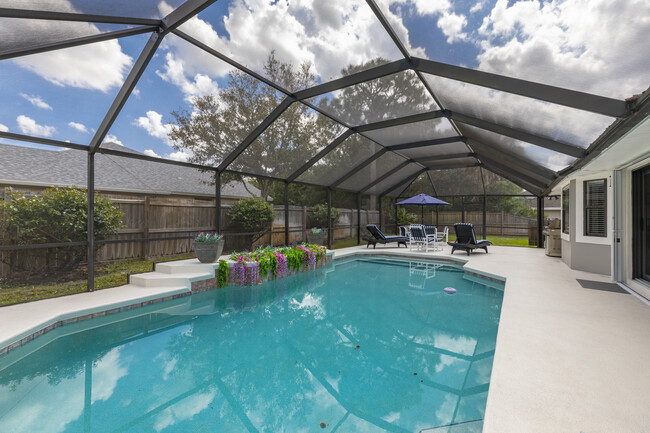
<point>363,345</point>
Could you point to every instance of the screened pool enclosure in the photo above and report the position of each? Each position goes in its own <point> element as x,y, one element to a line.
<point>354,126</point>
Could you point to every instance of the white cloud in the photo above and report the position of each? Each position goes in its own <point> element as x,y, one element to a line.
<point>589,45</point>
<point>181,155</point>
<point>78,126</point>
<point>110,138</point>
<point>3,128</point>
<point>174,73</point>
<point>152,123</point>
<point>150,152</point>
<point>329,35</point>
<point>452,26</point>
<point>98,66</point>
<point>29,126</point>
<point>36,101</point>
<point>477,7</point>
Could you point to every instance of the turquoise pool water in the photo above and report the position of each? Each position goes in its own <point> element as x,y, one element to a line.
<point>362,346</point>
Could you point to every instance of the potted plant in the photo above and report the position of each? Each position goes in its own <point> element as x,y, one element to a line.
<point>208,247</point>
<point>316,236</point>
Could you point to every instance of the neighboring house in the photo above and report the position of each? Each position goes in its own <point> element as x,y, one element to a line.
<point>606,212</point>
<point>29,170</point>
<point>552,206</point>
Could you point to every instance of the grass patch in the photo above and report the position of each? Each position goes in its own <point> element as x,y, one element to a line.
<point>345,243</point>
<point>508,241</point>
<point>107,275</point>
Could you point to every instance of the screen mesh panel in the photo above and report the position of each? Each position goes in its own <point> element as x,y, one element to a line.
<point>457,181</point>
<point>333,47</point>
<point>552,121</point>
<point>372,171</point>
<point>18,33</point>
<point>354,150</point>
<point>412,132</point>
<point>498,185</point>
<point>128,8</point>
<point>297,135</point>
<point>395,178</point>
<point>389,97</point>
<point>526,151</point>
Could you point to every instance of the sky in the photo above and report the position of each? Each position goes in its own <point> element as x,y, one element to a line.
<point>595,46</point>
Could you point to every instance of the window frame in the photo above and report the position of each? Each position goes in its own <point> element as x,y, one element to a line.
<point>566,227</point>
<point>586,206</point>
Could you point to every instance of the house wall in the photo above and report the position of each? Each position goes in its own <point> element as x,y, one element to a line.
<point>587,253</point>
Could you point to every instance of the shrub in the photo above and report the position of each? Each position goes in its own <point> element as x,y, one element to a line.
<point>318,216</point>
<point>54,216</point>
<point>251,215</point>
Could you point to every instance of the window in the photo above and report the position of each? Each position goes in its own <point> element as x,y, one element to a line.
<point>565,210</point>
<point>596,207</point>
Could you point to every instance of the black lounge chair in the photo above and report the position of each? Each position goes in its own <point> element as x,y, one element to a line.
<point>379,238</point>
<point>466,239</point>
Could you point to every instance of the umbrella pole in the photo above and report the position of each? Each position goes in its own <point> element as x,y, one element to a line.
<point>422,214</point>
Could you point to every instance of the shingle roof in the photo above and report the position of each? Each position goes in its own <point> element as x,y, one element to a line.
<point>30,166</point>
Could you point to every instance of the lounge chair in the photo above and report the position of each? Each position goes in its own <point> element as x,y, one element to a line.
<point>466,239</point>
<point>379,238</point>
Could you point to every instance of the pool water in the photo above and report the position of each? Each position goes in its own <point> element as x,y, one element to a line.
<point>360,346</point>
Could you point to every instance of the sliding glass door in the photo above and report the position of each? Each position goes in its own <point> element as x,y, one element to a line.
<point>641,226</point>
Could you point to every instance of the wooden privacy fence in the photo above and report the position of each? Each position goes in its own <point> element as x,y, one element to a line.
<point>151,218</point>
<point>498,223</point>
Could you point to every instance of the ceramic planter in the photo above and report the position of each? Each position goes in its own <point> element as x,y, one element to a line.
<point>316,238</point>
<point>208,252</point>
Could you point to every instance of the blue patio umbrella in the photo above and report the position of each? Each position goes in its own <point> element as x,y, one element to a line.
<point>423,200</point>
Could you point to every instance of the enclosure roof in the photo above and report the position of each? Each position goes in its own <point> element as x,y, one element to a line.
<point>388,98</point>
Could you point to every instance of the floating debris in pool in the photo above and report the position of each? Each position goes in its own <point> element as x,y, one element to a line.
<point>415,374</point>
<point>323,424</point>
<point>356,347</point>
<point>449,290</point>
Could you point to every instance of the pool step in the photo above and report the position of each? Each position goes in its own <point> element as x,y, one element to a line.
<point>161,279</point>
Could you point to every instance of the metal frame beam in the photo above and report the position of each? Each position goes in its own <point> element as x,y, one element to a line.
<point>351,80</point>
<point>334,144</point>
<point>451,166</point>
<point>85,40</point>
<point>547,143</point>
<point>522,177</point>
<point>535,190</point>
<point>47,141</point>
<point>403,181</point>
<point>183,13</point>
<point>414,118</point>
<point>125,91</point>
<point>68,16</point>
<point>358,167</point>
<point>517,163</point>
<point>426,159</point>
<point>268,120</point>
<point>427,143</point>
<point>385,176</point>
<point>556,95</point>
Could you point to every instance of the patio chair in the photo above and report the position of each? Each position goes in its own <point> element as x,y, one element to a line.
<point>444,237</point>
<point>379,238</point>
<point>432,234</point>
<point>404,231</point>
<point>419,237</point>
<point>466,239</point>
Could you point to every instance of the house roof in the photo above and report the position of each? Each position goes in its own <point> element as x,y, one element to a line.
<point>37,167</point>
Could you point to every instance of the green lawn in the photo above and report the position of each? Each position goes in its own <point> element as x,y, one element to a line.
<point>107,275</point>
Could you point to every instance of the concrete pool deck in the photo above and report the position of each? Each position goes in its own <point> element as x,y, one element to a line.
<point>568,359</point>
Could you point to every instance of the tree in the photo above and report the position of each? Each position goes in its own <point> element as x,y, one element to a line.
<point>56,215</point>
<point>251,215</point>
<point>219,123</point>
